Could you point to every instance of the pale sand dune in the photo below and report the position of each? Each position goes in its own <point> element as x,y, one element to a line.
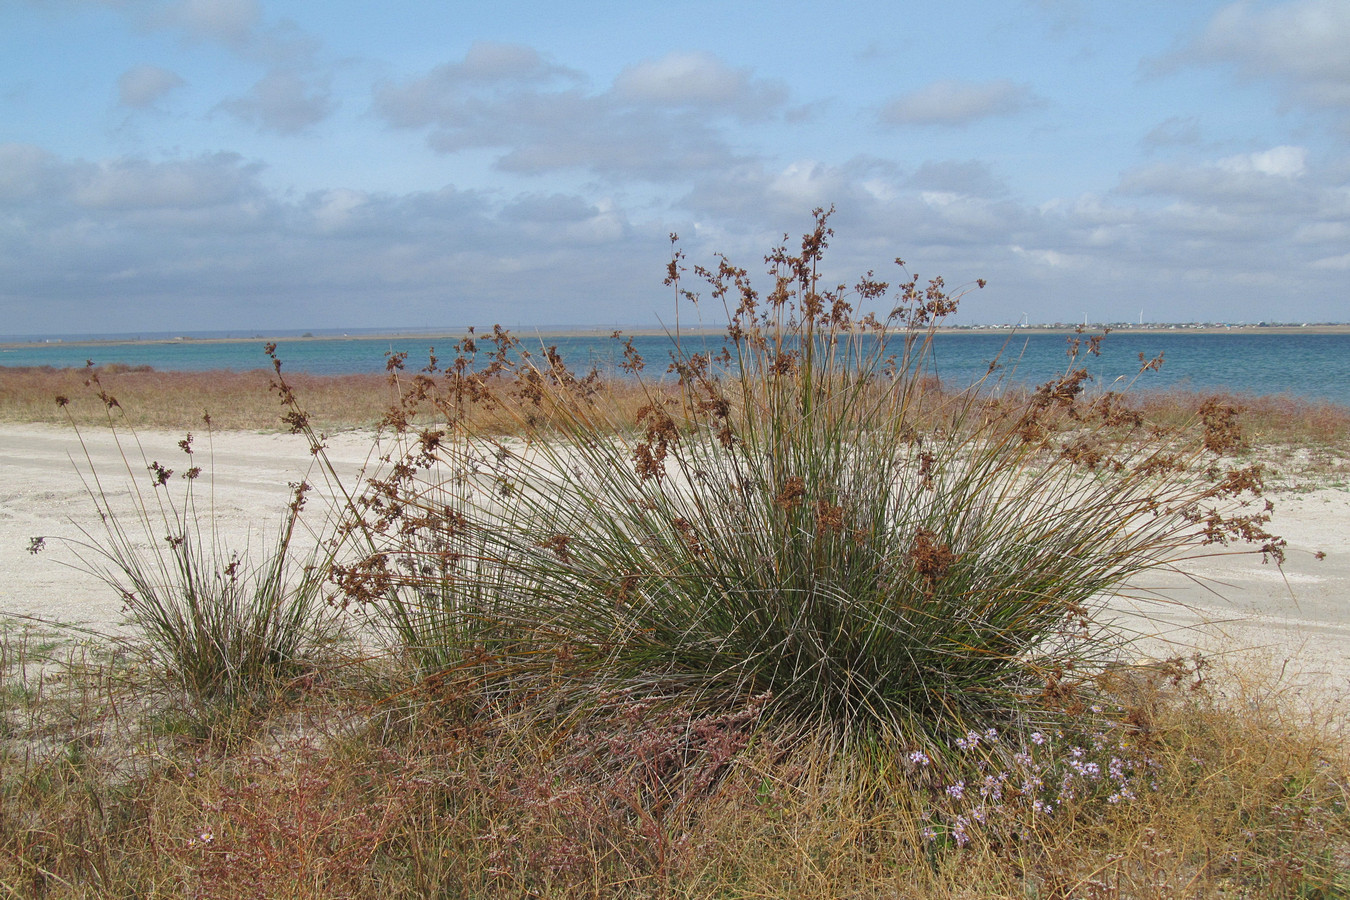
<point>1297,619</point>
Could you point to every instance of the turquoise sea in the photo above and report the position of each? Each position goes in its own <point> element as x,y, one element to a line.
<point>1310,366</point>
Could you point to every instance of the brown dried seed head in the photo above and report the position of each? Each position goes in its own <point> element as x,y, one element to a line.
<point>624,589</point>
<point>646,463</point>
<point>829,518</point>
<point>927,462</point>
<point>1222,433</point>
<point>1153,364</point>
<point>792,493</point>
<point>689,535</point>
<point>558,544</point>
<point>661,433</point>
<point>784,364</point>
<point>931,558</point>
<point>1084,452</point>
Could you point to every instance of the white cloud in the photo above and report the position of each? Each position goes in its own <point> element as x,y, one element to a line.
<point>698,80</point>
<point>203,238</point>
<point>1270,180</point>
<point>1270,219</point>
<point>1062,14</point>
<point>549,209</point>
<point>231,22</point>
<point>1334,263</point>
<point>336,210</point>
<point>1320,232</point>
<point>1301,44</point>
<point>1284,162</point>
<point>1052,258</point>
<point>140,87</point>
<point>453,91</point>
<point>26,172</point>
<point>609,168</point>
<point>284,102</point>
<point>955,102</point>
<point>131,184</point>
<point>566,220</point>
<point>652,124</point>
<point>969,177</point>
<point>489,61</point>
<point>228,21</point>
<point>1174,131</point>
<point>292,94</point>
<point>201,243</point>
<point>805,185</point>
<point>758,197</point>
<point>939,198</point>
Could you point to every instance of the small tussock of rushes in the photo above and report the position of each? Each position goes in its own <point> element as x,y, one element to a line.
<point>223,629</point>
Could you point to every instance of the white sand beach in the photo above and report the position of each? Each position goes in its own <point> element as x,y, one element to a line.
<point>1295,618</point>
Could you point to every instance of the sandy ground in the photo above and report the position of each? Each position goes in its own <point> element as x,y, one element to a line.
<point>1291,621</point>
<point>1296,619</point>
<point>45,492</point>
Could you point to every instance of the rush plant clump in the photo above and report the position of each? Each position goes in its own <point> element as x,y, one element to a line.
<point>800,513</point>
<point>223,627</point>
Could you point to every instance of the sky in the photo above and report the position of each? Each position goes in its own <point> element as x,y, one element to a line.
<point>181,165</point>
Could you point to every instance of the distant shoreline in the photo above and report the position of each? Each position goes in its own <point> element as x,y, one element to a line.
<point>534,334</point>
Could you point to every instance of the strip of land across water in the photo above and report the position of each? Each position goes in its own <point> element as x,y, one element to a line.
<point>649,331</point>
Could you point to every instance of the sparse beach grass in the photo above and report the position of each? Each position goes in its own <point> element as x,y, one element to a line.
<point>798,622</point>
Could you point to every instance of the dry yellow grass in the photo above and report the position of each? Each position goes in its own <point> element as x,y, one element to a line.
<point>243,401</point>
<point>108,791</point>
<point>149,398</point>
<point>1264,419</point>
<point>178,400</point>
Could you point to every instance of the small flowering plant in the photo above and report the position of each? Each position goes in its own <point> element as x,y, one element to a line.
<point>999,789</point>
